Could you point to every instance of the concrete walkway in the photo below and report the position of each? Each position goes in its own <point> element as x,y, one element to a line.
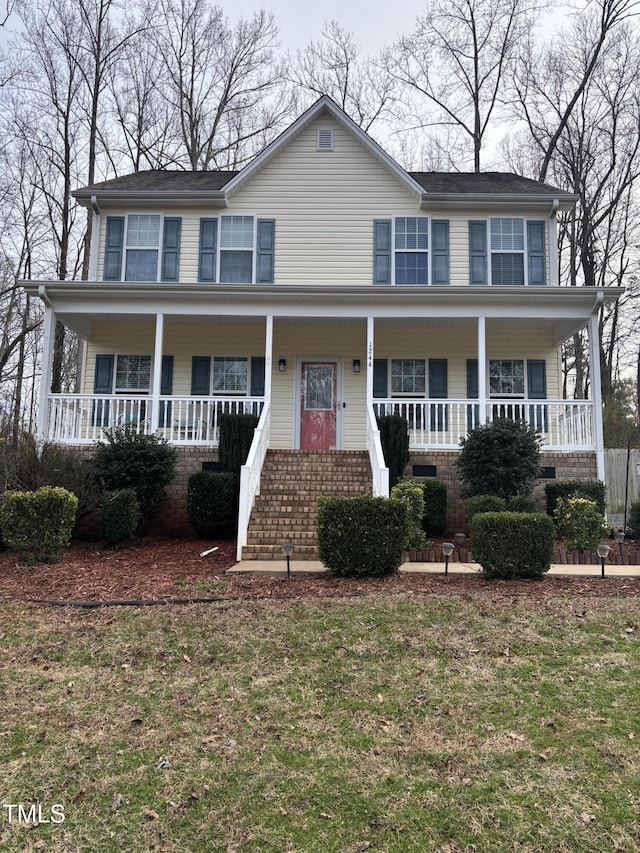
<point>300,567</point>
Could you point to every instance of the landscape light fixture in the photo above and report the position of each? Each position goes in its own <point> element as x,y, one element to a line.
<point>603,551</point>
<point>447,550</point>
<point>459,537</point>
<point>618,535</point>
<point>287,550</point>
<point>282,365</point>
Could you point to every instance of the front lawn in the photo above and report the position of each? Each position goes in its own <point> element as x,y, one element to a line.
<point>385,723</point>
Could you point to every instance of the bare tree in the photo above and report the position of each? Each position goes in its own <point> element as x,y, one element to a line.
<point>457,61</point>
<point>333,65</point>
<point>219,79</point>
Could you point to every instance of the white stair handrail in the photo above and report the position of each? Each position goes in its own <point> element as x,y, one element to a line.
<point>250,474</point>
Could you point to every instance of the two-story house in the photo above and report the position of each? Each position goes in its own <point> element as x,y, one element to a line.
<point>318,287</point>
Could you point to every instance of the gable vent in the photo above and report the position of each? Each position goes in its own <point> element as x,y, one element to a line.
<point>324,141</point>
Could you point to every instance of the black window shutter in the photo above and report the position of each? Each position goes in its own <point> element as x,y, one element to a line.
<point>382,251</point>
<point>440,251</point>
<point>257,376</point>
<point>207,250</point>
<point>536,253</point>
<point>201,375</point>
<point>102,384</point>
<point>166,388</point>
<point>537,390</point>
<point>473,412</point>
<point>114,240</point>
<point>266,250</point>
<point>171,249</point>
<point>380,378</point>
<point>478,252</point>
<point>438,389</point>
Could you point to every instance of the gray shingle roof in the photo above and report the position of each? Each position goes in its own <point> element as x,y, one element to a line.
<point>481,182</point>
<point>457,183</point>
<point>161,180</point>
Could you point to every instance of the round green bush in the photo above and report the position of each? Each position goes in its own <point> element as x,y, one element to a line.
<point>633,519</point>
<point>512,544</point>
<point>362,535</point>
<point>36,525</point>
<point>500,458</point>
<point>522,503</point>
<point>484,503</point>
<point>580,524</point>
<point>119,516</point>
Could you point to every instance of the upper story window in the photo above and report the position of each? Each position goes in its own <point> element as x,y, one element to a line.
<point>142,247</point>
<point>507,251</point>
<point>236,249</point>
<point>411,250</point>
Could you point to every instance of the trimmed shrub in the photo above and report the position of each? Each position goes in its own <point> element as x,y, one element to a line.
<point>633,519</point>
<point>580,524</point>
<point>236,435</point>
<point>593,490</point>
<point>411,493</point>
<point>211,504</point>
<point>434,520</point>
<point>362,535</point>
<point>119,516</point>
<point>36,525</point>
<point>512,545</point>
<point>500,458</point>
<point>522,503</point>
<point>394,437</point>
<point>484,503</point>
<point>131,460</point>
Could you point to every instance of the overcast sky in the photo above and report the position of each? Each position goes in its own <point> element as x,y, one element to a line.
<point>374,22</point>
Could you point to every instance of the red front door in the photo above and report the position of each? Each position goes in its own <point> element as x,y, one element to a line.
<point>318,405</point>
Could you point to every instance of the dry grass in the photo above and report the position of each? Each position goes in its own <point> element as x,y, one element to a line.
<point>402,723</point>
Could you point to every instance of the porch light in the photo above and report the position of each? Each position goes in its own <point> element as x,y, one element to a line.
<point>447,550</point>
<point>282,365</point>
<point>356,365</point>
<point>603,551</point>
<point>287,550</point>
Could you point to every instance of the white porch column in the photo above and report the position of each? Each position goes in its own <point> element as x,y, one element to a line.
<point>370,332</point>
<point>482,370</point>
<point>268,357</point>
<point>157,373</point>
<point>596,392</point>
<point>45,374</point>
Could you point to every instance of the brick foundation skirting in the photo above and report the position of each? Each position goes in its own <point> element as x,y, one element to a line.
<point>172,518</point>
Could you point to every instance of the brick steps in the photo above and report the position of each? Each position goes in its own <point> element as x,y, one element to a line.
<point>286,508</point>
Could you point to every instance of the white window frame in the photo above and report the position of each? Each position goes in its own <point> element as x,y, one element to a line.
<point>131,391</point>
<point>409,395</point>
<point>224,393</point>
<point>220,249</point>
<point>125,246</point>
<point>395,250</point>
<point>513,395</point>
<point>523,251</point>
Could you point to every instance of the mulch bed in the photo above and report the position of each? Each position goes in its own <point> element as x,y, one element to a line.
<point>160,569</point>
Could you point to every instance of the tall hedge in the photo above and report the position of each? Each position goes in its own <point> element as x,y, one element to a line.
<point>593,490</point>
<point>394,437</point>
<point>362,535</point>
<point>211,504</point>
<point>236,435</point>
<point>434,521</point>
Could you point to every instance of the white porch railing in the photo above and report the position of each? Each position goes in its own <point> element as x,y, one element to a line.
<point>82,418</point>
<point>250,476</point>
<point>564,425</point>
<point>379,470</point>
